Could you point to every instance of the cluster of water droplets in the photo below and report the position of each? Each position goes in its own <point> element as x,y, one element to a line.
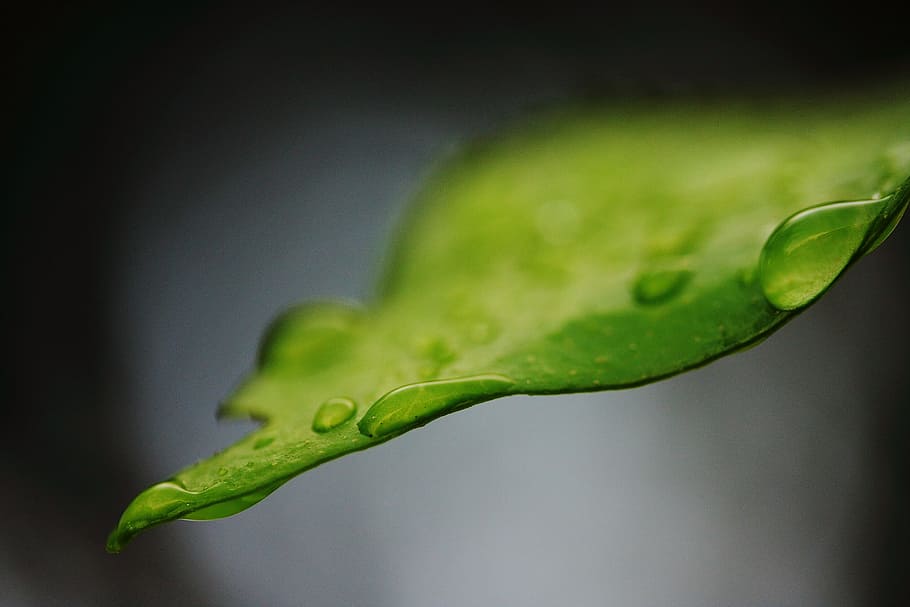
<point>799,261</point>
<point>652,287</point>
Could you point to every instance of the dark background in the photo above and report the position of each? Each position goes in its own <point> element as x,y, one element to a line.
<point>177,174</point>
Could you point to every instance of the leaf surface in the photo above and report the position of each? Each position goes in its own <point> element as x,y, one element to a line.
<point>591,249</point>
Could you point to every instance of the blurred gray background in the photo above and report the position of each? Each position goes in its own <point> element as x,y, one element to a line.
<point>179,175</point>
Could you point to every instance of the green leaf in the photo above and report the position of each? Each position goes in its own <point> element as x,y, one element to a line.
<point>591,249</point>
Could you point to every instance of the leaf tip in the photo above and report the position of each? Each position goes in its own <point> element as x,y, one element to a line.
<point>159,503</point>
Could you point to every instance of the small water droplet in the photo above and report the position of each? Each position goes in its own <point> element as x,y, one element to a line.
<point>806,252</point>
<point>263,442</point>
<point>658,286</point>
<point>436,354</point>
<point>222,471</point>
<point>332,413</point>
<point>417,404</point>
<point>435,349</point>
<point>746,276</point>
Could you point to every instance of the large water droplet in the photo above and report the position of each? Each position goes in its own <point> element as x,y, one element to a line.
<point>170,500</point>
<point>804,255</point>
<point>157,504</point>
<point>231,506</point>
<point>417,404</point>
<point>658,286</point>
<point>332,413</point>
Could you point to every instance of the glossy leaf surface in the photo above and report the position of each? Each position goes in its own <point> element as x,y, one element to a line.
<point>588,250</point>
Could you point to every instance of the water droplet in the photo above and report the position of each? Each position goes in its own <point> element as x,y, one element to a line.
<point>658,286</point>
<point>263,442</point>
<point>746,276</point>
<point>435,349</point>
<point>806,252</point>
<point>170,500</point>
<point>436,354</point>
<point>231,506</point>
<point>332,413</point>
<point>222,471</point>
<point>417,404</point>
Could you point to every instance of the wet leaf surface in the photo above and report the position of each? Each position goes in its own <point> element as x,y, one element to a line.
<point>590,249</point>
